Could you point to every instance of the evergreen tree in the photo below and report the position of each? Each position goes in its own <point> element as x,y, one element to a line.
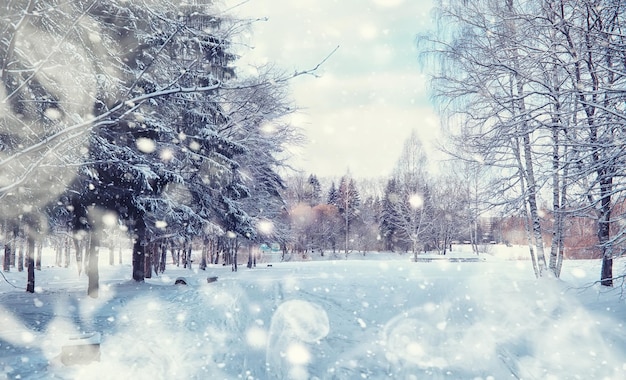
<point>347,200</point>
<point>147,163</point>
<point>314,191</point>
<point>407,207</point>
<point>146,99</point>
<point>389,215</point>
<point>333,196</point>
<point>367,229</point>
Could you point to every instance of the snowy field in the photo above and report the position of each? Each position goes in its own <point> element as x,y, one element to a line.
<point>376,316</point>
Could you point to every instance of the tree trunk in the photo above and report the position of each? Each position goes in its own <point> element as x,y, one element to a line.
<point>347,231</point>
<point>79,254</point>
<point>203,259</point>
<point>20,258</point>
<point>473,231</point>
<point>14,245</point>
<point>58,258</point>
<point>531,193</point>
<point>190,255</point>
<point>6,263</point>
<point>559,262</point>
<point>30,264</point>
<point>528,218</point>
<point>66,248</point>
<point>604,231</point>
<point>250,255</point>
<point>234,248</point>
<point>163,258</point>
<point>527,165</point>
<point>148,260</point>
<point>6,266</point>
<point>156,258</point>
<point>93,274</point>
<point>559,198</point>
<point>112,254</point>
<point>607,270</point>
<point>38,261</point>
<point>211,251</point>
<point>556,251</point>
<point>138,252</point>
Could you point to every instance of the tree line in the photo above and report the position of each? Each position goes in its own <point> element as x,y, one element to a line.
<point>131,116</point>
<point>411,211</point>
<point>533,91</point>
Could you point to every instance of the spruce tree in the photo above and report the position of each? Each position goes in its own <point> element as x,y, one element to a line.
<point>314,191</point>
<point>389,215</point>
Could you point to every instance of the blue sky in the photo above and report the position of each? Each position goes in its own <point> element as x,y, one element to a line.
<point>371,93</point>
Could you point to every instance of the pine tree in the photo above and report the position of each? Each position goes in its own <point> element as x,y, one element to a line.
<point>347,200</point>
<point>314,191</point>
<point>333,197</point>
<point>146,98</point>
<point>407,207</point>
<point>144,162</point>
<point>389,215</point>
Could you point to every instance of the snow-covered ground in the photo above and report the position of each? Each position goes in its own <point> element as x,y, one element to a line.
<point>373,316</point>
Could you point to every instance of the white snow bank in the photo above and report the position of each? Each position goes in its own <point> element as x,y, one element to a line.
<point>333,319</point>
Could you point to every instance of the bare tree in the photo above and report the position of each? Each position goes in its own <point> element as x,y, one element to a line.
<point>533,86</point>
<point>407,208</point>
<point>493,80</point>
<point>452,209</point>
<point>593,40</point>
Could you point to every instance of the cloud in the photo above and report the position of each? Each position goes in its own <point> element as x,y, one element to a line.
<point>371,93</point>
<point>368,31</point>
<point>403,88</point>
<point>367,139</point>
<point>388,3</point>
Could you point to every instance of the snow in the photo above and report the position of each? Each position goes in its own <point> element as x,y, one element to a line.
<point>145,145</point>
<point>372,316</point>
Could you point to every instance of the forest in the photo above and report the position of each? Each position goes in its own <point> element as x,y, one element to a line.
<point>119,120</point>
<point>122,118</point>
<point>533,90</point>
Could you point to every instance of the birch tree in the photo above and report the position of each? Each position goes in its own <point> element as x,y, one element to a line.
<point>533,87</point>
<point>491,80</point>
<point>407,209</point>
<point>593,39</point>
<point>347,200</point>
<point>449,211</point>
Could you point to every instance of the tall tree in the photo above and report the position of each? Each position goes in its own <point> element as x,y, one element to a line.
<point>449,210</point>
<point>314,191</point>
<point>487,77</point>
<point>533,86</point>
<point>407,207</point>
<point>48,79</point>
<point>593,39</point>
<point>326,227</point>
<point>333,196</point>
<point>348,201</point>
<point>389,218</point>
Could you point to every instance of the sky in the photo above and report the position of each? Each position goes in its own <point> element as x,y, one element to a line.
<point>367,96</point>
